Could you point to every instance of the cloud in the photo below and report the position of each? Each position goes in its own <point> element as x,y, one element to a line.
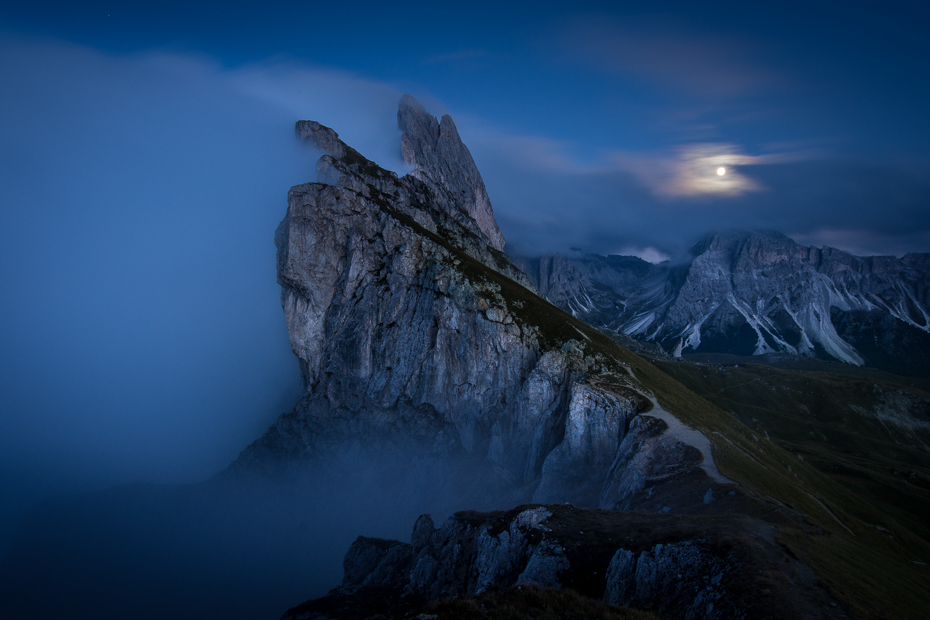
<point>707,169</point>
<point>648,254</point>
<point>141,329</point>
<point>548,198</point>
<point>529,152</point>
<point>362,111</point>
<point>689,170</point>
<point>673,56</point>
<point>865,242</point>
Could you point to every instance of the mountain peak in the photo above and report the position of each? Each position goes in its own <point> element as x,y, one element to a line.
<point>438,154</point>
<point>321,136</point>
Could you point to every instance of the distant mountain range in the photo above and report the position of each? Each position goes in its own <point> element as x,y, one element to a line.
<point>752,293</point>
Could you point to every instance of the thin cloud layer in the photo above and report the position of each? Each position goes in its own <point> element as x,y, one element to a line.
<point>708,169</point>
<point>711,169</point>
<point>549,200</point>
<point>866,242</point>
<point>648,254</point>
<point>670,55</point>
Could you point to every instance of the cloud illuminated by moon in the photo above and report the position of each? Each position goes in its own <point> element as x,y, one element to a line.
<point>703,169</point>
<point>706,169</point>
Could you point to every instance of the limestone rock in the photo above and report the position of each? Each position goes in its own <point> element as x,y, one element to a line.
<point>545,566</point>
<point>682,580</point>
<point>440,156</point>
<point>322,137</point>
<point>420,340</point>
<point>423,531</point>
<point>460,558</point>
<point>366,555</point>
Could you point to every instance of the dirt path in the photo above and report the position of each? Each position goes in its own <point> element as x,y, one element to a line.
<point>830,512</point>
<point>691,437</point>
<point>686,435</point>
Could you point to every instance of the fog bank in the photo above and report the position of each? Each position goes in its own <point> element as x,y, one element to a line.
<point>141,332</point>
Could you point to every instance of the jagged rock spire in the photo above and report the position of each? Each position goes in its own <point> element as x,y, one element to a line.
<point>436,151</point>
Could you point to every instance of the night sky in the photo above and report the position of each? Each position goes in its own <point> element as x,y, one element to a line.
<point>146,149</point>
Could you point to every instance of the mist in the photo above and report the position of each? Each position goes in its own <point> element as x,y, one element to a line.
<point>243,545</point>
<point>142,336</point>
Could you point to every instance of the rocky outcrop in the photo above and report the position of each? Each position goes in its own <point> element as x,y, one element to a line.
<point>755,293</point>
<point>460,558</point>
<point>677,567</point>
<point>416,334</point>
<point>672,579</point>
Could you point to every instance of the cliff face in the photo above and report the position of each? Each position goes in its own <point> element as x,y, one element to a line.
<point>414,332</point>
<point>755,293</point>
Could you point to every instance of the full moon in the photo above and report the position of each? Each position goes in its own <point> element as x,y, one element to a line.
<point>721,171</point>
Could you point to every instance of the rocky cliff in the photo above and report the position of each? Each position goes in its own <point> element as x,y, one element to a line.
<point>755,293</point>
<point>417,335</point>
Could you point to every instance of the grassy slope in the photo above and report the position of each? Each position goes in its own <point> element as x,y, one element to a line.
<point>824,417</point>
<point>873,571</point>
<point>876,570</point>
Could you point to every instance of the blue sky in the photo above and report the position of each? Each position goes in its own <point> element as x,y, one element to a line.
<point>146,149</point>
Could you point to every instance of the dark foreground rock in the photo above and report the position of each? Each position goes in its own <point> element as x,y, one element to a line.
<point>678,567</point>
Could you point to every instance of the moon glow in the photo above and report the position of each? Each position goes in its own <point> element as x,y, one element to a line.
<point>721,171</point>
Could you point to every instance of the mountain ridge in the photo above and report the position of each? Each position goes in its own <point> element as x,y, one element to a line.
<point>752,293</point>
